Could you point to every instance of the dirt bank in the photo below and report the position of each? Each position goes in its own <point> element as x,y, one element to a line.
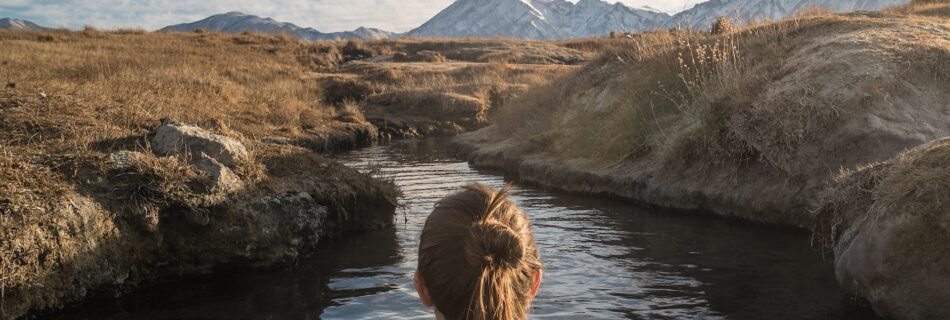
<point>137,217</point>
<point>752,124</point>
<point>97,199</point>
<point>889,225</point>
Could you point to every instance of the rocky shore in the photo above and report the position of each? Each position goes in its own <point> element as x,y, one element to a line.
<point>198,203</point>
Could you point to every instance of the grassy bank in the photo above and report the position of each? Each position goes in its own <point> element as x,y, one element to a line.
<point>805,122</point>
<point>713,115</point>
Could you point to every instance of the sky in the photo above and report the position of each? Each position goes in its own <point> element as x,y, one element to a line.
<point>323,15</point>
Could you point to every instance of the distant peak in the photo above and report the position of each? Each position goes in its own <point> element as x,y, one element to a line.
<point>231,14</point>
<point>18,24</point>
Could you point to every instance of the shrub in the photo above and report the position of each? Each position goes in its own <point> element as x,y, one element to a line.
<point>337,91</point>
<point>723,25</point>
<point>356,50</point>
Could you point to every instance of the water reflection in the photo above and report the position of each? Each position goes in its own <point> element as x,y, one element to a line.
<point>604,259</point>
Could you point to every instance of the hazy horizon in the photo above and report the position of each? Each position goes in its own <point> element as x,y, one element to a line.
<point>323,15</point>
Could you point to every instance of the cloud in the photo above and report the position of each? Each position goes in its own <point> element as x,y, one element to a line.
<point>323,15</point>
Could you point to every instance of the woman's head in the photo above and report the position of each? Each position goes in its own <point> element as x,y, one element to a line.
<point>477,257</point>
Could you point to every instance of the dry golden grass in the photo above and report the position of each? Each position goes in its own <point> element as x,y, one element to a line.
<point>105,85</point>
<point>913,183</point>
<point>459,92</point>
<point>70,98</point>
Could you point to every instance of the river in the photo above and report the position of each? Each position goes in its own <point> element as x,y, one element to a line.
<point>604,259</point>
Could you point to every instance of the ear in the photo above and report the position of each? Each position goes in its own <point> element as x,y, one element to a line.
<point>538,276</point>
<point>420,285</point>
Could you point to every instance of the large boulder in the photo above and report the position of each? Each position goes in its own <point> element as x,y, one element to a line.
<point>890,226</point>
<point>182,139</point>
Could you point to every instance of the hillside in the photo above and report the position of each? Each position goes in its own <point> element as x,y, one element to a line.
<point>752,123</point>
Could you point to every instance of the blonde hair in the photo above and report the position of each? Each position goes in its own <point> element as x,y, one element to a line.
<point>477,256</point>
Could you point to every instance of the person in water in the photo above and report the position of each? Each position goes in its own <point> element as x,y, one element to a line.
<point>477,257</point>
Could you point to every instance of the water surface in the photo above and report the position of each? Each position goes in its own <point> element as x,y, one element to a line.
<point>604,260</point>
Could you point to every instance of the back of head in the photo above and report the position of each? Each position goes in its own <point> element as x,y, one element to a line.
<point>478,257</point>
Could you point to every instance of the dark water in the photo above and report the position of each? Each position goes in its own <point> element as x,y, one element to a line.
<point>604,259</point>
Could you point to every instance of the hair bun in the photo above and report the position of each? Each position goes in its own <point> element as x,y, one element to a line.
<point>493,244</point>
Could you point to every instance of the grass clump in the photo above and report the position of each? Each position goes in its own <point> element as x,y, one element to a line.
<point>722,25</point>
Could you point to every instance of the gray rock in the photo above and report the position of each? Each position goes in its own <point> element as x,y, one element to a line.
<point>222,179</point>
<point>277,140</point>
<point>181,139</point>
<point>124,160</point>
<point>294,215</point>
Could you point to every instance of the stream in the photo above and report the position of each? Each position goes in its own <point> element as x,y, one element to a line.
<point>604,259</point>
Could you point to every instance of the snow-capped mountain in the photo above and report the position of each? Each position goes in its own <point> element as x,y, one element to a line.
<point>17,24</point>
<point>597,17</point>
<point>702,15</point>
<point>236,22</point>
<point>538,19</point>
<point>559,19</point>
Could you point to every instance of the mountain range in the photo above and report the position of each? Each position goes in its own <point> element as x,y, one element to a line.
<point>236,22</point>
<point>702,15</point>
<point>538,19</point>
<point>560,19</point>
<point>531,19</point>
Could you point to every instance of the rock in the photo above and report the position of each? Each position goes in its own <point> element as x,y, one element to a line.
<point>296,217</point>
<point>11,85</point>
<point>430,56</point>
<point>895,247</point>
<point>419,56</point>
<point>221,178</point>
<point>124,160</point>
<point>276,140</point>
<point>381,58</point>
<point>400,57</point>
<point>198,217</point>
<point>182,139</point>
